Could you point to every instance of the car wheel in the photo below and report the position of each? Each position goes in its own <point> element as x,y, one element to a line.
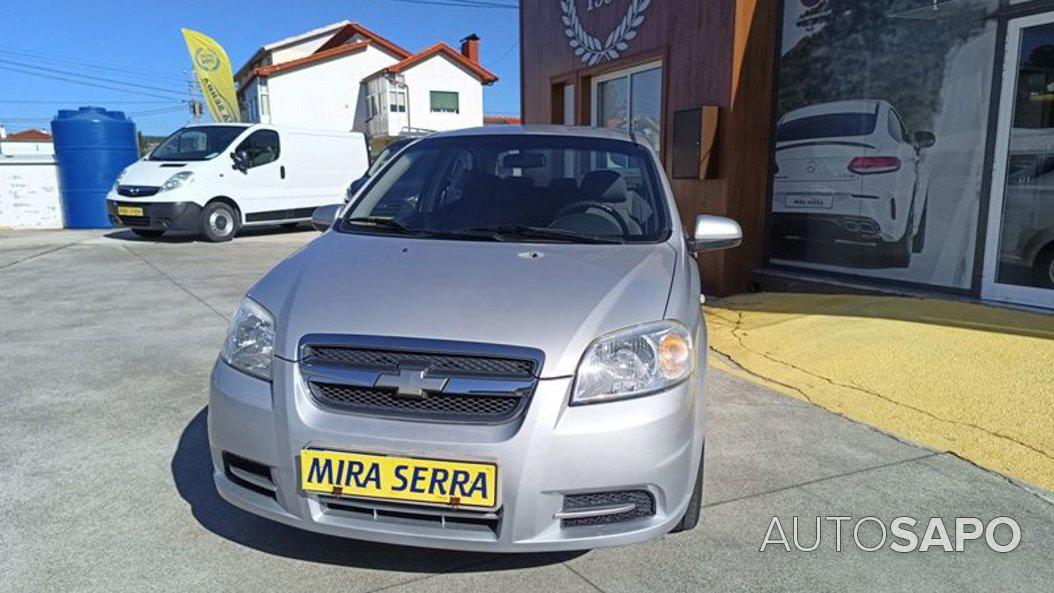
<point>1044,268</point>
<point>918,242</point>
<point>695,503</point>
<point>148,233</point>
<point>219,222</point>
<point>897,254</point>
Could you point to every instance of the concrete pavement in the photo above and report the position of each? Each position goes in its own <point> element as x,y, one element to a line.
<point>106,343</point>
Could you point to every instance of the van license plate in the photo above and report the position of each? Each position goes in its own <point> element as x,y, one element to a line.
<point>129,211</point>
<point>403,479</point>
<point>808,201</point>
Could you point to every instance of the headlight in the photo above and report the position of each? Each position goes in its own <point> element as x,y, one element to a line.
<point>250,341</point>
<point>634,361</point>
<point>117,181</point>
<point>181,179</point>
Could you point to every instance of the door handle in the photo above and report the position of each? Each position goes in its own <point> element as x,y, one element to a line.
<point>281,171</point>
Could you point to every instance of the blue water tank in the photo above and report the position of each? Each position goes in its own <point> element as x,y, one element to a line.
<point>92,146</point>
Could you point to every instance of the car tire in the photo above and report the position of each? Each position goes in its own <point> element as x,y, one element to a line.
<point>219,222</point>
<point>695,504</point>
<point>918,242</point>
<point>897,254</point>
<point>1043,269</point>
<point>148,233</point>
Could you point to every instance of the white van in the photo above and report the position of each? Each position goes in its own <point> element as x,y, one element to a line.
<point>217,178</point>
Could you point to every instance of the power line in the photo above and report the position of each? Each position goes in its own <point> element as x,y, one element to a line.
<point>460,4</point>
<point>90,77</point>
<point>92,84</point>
<point>86,102</point>
<point>92,64</point>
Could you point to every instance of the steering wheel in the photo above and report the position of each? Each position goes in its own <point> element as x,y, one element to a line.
<point>605,208</point>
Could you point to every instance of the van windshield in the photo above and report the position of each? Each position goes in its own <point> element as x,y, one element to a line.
<point>521,188</point>
<point>196,143</point>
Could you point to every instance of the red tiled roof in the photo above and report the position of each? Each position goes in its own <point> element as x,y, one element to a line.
<point>502,119</point>
<point>318,56</point>
<point>29,136</point>
<point>485,75</point>
<point>349,31</point>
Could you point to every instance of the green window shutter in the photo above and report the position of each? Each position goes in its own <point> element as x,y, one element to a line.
<point>445,102</point>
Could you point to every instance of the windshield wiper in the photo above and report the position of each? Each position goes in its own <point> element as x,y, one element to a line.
<point>512,232</point>
<point>384,222</point>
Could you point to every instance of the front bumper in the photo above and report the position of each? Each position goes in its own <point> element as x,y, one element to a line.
<point>164,216</point>
<point>652,443</point>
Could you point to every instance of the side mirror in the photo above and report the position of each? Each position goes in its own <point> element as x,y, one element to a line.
<point>714,232</point>
<point>355,187</point>
<point>241,160</point>
<point>324,216</point>
<point>925,139</point>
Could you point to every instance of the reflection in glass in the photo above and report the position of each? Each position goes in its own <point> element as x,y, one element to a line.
<point>647,105</point>
<point>1026,238</point>
<point>613,104</point>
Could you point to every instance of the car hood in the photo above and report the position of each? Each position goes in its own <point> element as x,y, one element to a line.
<point>152,173</point>
<point>554,297</point>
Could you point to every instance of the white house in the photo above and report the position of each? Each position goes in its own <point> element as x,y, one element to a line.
<point>27,142</point>
<point>346,77</point>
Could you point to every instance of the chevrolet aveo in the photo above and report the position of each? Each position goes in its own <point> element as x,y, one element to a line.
<point>497,345</point>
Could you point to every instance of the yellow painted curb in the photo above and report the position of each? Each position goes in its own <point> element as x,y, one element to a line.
<point>961,377</point>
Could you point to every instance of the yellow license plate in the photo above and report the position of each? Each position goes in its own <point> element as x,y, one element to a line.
<point>129,211</point>
<point>403,479</point>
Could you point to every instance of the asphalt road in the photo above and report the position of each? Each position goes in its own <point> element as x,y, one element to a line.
<point>106,343</point>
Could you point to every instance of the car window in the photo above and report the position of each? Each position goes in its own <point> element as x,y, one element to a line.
<point>262,146</point>
<point>896,130</point>
<point>585,186</point>
<point>831,125</point>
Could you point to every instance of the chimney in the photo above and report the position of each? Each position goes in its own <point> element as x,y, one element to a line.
<point>470,48</point>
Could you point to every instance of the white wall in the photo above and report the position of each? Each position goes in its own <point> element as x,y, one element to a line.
<point>323,95</point>
<point>29,193</point>
<point>438,73</point>
<point>30,148</point>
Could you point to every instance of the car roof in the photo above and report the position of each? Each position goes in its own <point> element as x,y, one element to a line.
<point>855,106</point>
<point>540,130</point>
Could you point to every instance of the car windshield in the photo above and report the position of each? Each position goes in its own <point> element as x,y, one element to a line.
<point>831,125</point>
<point>521,188</point>
<point>196,143</point>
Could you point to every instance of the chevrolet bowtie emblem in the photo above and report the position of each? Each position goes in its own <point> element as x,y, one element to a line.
<point>411,382</point>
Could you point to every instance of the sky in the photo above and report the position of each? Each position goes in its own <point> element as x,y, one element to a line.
<point>139,43</point>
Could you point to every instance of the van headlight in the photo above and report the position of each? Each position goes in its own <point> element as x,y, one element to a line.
<point>117,181</point>
<point>634,361</point>
<point>181,179</point>
<point>250,341</point>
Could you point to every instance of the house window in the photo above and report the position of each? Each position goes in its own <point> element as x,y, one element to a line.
<point>444,102</point>
<point>631,100</point>
<point>397,101</point>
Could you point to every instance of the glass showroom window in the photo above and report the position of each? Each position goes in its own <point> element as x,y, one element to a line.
<point>631,100</point>
<point>444,102</point>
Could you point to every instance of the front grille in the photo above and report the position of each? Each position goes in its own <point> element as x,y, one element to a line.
<point>135,220</point>
<point>418,379</point>
<point>436,406</point>
<point>457,364</point>
<point>474,524</point>
<point>644,501</point>
<point>137,191</point>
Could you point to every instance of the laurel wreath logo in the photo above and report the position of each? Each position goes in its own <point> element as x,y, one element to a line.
<point>588,47</point>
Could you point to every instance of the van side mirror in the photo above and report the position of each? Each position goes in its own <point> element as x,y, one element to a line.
<point>324,216</point>
<point>241,160</point>
<point>357,185</point>
<point>925,139</point>
<point>714,232</point>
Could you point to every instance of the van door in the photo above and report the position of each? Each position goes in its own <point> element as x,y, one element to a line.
<point>259,190</point>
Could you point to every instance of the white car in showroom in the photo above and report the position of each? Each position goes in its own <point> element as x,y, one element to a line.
<point>849,172</point>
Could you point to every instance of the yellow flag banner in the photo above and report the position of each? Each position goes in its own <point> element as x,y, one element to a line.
<point>213,69</point>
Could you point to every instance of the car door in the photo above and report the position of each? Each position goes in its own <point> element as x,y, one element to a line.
<point>258,189</point>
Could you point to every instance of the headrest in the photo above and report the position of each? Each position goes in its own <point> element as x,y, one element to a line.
<point>604,185</point>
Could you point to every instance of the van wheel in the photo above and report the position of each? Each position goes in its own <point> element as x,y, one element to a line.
<point>219,222</point>
<point>695,503</point>
<point>918,242</point>
<point>148,233</point>
<point>1044,268</point>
